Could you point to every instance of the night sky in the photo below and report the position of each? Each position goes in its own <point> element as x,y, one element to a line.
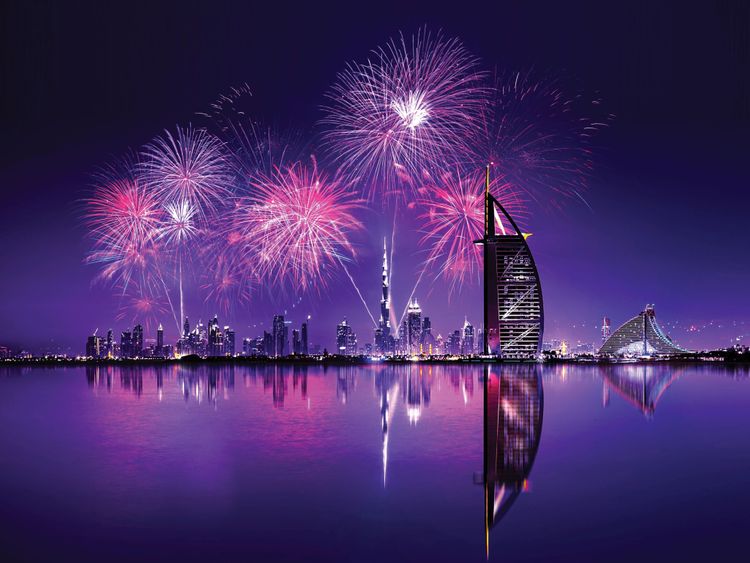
<point>667,214</point>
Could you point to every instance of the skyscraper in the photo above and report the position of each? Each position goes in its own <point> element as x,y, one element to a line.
<point>305,344</point>
<point>137,348</point>
<point>468,340</point>
<point>427,339</point>
<point>605,329</point>
<point>280,336</point>
<point>383,337</point>
<point>346,340</point>
<point>110,350</point>
<point>513,309</point>
<point>93,346</point>
<point>160,341</point>
<point>229,341</point>
<point>413,327</point>
<point>126,344</point>
<point>296,343</point>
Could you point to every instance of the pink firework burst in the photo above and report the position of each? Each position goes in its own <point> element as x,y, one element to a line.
<point>295,226</point>
<point>415,105</point>
<point>190,166</point>
<point>539,137</point>
<point>454,219</point>
<point>123,218</point>
<point>228,279</point>
<point>140,305</point>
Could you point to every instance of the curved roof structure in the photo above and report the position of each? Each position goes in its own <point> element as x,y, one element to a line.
<point>640,336</point>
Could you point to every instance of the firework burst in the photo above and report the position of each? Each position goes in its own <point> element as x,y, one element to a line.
<point>254,147</point>
<point>454,219</point>
<point>414,105</point>
<point>295,226</point>
<point>123,218</point>
<point>539,137</point>
<point>191,166</point>
<point>179,227</point>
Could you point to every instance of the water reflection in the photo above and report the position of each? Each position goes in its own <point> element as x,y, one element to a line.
<point>640,385</point>
<point>513,412</point>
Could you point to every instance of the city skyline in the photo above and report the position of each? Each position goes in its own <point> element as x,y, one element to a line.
<point>648,182</point>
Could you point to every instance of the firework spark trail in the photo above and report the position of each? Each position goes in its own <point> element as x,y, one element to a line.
<point>190,166</point>
<point>191,174</point>
<point>359,293</point>
<point>539,137</point>
<point>295,225</point>
<point>454,219</point>
<point>254,147</point>
<point>415,104</point>
<point>123,218</point>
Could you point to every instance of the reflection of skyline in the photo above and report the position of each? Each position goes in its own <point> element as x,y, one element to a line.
<point>513,412</point>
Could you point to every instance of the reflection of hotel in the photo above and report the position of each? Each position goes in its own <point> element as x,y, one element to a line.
<point>641,386</point>
<point>513,410</point>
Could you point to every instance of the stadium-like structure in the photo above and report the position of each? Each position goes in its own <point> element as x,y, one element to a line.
<point>640,336</point>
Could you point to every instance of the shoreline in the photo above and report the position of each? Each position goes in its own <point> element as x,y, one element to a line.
<point>709,358</point>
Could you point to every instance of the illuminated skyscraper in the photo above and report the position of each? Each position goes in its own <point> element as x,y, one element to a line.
<point>383,339</point>
<point>346,340</point>
<point>280,336</point>
<point>513,308</point>
<point>413,327</point>
<point>605,329</point>
<point>126,344</point>
<point>229,341</point>
<point>467,344</point>
<point>296,343</point>
<point>137,349</point>
<point>160,341</point>
<point>305,344</point>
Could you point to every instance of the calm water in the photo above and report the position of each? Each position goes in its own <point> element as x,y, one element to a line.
<point>211,463</point>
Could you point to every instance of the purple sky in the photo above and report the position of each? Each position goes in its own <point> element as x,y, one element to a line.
<point>667,206</point>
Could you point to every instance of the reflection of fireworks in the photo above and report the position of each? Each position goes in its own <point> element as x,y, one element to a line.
<point>455,219</point>
<point>296,225</point>
<point>414,106</point>
<point>539,137</point>
<point>191,167</point>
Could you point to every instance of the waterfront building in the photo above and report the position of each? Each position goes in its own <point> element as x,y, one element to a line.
<point>454,343</point>
<point>413,327</point>
<point>280,337</point>
<point>640,336</point>
<point>467,345</point>
<point>137,344</point>
<point>346,340</point>
<point>94,346</point>
<point>513,308</point>
<point>605,329</point>
<point>126,344</point>
<point>159,350</point>
<point>384,341</point>
<point>229,341</point>
<point>296,343</point>
<point>305,341</point>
